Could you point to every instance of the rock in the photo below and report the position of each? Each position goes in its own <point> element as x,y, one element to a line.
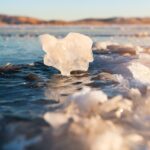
<point>115,107</point>
<point>9,69</point>
<point>68,54</point>
<point>105,76</point>
<point>32,77</point>
<point>122,49</point>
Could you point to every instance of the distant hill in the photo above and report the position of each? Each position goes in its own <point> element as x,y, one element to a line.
<point>20,20</point>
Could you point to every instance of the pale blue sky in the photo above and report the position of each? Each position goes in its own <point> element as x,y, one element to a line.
<point>76,9</point>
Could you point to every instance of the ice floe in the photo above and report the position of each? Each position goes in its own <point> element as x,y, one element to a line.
<point>102,45</point>
<point>140,72</point>
<point>114,47</point>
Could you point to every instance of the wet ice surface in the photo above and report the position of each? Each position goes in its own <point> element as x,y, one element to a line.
<point>41,109</point>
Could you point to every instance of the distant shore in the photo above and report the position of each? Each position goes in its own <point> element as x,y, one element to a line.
<point>21,20</point>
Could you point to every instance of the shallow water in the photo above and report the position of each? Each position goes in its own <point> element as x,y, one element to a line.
<point>29,89</point>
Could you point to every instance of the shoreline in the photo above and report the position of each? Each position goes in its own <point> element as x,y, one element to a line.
<point>23,20</point>
<point>70,25</point>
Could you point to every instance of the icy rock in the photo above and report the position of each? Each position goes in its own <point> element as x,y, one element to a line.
<point>74,52</point>
<point>88,100</point>
<point>140,72</point>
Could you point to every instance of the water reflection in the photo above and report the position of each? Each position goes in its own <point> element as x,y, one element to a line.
<point>59,87</point>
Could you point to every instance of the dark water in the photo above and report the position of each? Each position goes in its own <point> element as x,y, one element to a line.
<point>28,88</point>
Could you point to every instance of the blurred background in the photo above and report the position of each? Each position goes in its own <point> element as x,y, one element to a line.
<point>75,9</point>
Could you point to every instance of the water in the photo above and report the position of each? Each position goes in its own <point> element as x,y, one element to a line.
<point>29,89</point>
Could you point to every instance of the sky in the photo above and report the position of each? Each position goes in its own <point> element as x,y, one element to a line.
<point>76,9</point>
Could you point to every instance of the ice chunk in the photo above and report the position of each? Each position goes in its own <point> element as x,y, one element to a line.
<point>140,72</point>
<point>74,52</point>
<point>142,34</point>
<point>60,119</point>
<point>110,140</point>
<point>125,49</point>
<point>115,107</point>
<point>118,48</point>
<point>134,94</point>
<point>99,45</point>
<point>88,100</point>
<point>144,58</point>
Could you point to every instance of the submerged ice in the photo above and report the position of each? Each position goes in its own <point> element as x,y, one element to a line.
<point>74,52</point>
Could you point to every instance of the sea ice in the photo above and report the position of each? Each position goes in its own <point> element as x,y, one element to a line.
<point>74,52</point>
<point>144,59</point>
<point>60,119</point>
<point>102,45</point>
<point>116,47</point>
<point>140,72</point>
<point>122,49</point>
<point>142,34</point>
<point>88,100</point>
<point>109,140</point>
